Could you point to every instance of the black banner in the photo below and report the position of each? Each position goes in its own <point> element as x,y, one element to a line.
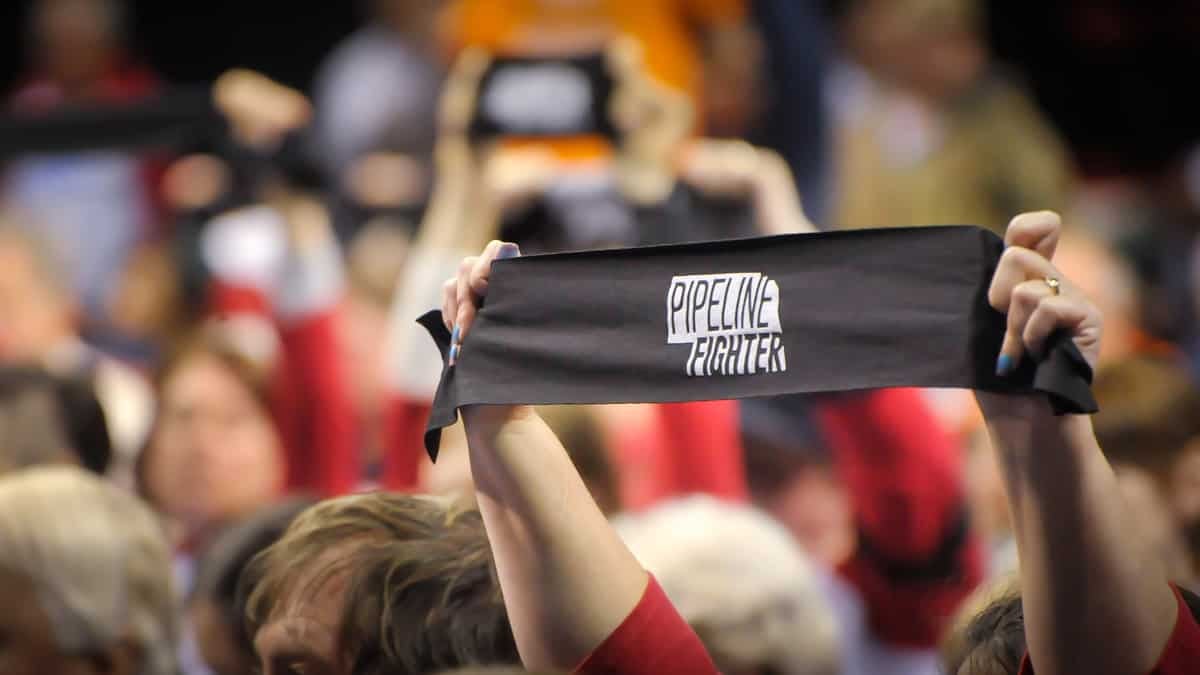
<point>177,117</point>
<point>798,313</point>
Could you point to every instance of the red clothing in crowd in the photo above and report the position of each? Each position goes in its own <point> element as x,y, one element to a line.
<point>310,398</point>
<point>687,448</point>
<point>652,640</point>
<point>916,560</point>
<point>404,441</point>
<point>1181,656</point>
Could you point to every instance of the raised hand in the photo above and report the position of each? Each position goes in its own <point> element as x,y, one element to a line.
<point>462,294</point>
<point>1036,297</point>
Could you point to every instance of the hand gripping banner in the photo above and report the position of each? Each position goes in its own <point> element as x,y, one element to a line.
<point>797,313</point>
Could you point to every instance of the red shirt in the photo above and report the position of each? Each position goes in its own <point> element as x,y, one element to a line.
<point>1181,655</point>
<point>916,559</point>
<point>653,640</point>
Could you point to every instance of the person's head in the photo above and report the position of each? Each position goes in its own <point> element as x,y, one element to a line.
<point>378,583</point>
<point>85,578</point>
<point>214,453</point>
<point>76,41</point>
<point>408,17</point>
<point>37,307</point>
<point>742,583</point>
<point>930,47</point>
<point>50,420</point>
<point>988,635</point>
<point>213,607</point>
<point>789,469</point>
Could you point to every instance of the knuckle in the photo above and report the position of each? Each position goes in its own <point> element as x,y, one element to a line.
<point>1017,257</point>
<point>1027,294</point>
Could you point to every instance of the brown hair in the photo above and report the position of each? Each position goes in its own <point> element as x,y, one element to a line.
<point>422,592</point>
<point>212,342</point>
<point>988,637</point>
<point>215,342</point>
<point>1149,410</point>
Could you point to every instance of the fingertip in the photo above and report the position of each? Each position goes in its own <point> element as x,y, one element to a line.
<point>1034,230</point>
<point>508,250</point>
<point>1004,365</point>
<point>1035,219</point>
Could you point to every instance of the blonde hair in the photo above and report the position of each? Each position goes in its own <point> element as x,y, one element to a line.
<point>98,558</point>
<point>741,581</point>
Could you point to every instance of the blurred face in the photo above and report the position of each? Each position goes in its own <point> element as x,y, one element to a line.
<point>75,40</point>
<point>414,17</point>
<point>33,317</point>
<point>215,454</point>
<point>27,642</point>
<point>932,61</point>
<point>816,508</point>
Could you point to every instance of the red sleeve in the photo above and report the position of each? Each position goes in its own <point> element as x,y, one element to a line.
<point>310,402</point>
<point>225,300</point>
<point>1181,656</point>
<point>916,558</point>
<point>686,448</point>
<point>324,457</point>
<point>653,640</point>
<point>404,441</point>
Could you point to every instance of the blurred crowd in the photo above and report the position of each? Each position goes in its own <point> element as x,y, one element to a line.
<point>209,351</point>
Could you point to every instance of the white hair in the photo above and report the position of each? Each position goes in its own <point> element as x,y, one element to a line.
<point>98,558</point>
<point>741,581</point>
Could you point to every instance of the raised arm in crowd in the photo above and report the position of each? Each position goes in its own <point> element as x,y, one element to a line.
<point>1095,599</point>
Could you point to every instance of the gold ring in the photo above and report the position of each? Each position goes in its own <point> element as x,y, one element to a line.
<point>1055,286</point>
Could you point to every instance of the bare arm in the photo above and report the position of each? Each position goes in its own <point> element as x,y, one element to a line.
<point>568,580</point>
<point>1095,598</point>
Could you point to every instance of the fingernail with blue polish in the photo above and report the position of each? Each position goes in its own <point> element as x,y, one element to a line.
<point>508,251</point>
<point>1004,365</point>
<point>453,354</point>
<point>454,336</point>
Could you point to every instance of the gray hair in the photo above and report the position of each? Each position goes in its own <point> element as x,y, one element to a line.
<point>741,581</point>
<point>98,558</point>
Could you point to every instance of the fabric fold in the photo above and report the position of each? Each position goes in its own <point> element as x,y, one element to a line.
<point>825,312</point>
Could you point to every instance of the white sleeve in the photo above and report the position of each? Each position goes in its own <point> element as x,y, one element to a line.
<point>246,247</point>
